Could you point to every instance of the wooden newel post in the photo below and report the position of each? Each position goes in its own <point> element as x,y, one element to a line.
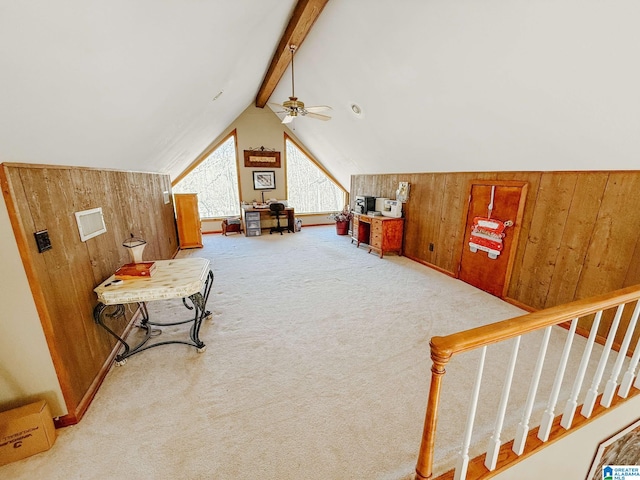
<point>424,467</point>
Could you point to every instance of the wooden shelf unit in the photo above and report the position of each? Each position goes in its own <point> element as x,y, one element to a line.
<point>188,220</point>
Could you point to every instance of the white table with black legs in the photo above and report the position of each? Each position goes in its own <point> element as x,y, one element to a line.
<point>187,278</point>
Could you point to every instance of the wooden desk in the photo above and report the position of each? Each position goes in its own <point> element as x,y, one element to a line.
<point>252,229</point>
<point>178,278</point>
<point>382,234</point>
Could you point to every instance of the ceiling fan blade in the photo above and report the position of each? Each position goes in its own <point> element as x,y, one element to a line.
<point>318,116</point>
<point>318,108</point>
<point>287,119</point>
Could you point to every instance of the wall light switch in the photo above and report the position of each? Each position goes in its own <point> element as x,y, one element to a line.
<point>42,240</point>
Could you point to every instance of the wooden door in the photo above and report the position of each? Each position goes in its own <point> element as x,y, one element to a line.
<point>489,266</point>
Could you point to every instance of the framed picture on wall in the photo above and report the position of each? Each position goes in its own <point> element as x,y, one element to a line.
<point>623,448</point>
<point>264,180</point>
<point>261,159</point>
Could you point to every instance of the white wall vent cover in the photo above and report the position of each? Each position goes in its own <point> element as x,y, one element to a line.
<point>90,223</point>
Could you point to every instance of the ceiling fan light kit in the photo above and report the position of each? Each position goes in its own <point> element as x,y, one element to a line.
<point>293,107</point>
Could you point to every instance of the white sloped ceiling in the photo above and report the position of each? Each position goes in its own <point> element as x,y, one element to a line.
<point>455,85</point>
<point>444,85</point>
<point>129,84</point>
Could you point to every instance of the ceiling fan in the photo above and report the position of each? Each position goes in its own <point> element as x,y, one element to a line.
<point>294,107</point>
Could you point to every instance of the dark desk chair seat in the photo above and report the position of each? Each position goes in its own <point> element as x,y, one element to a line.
<point>276,209</point>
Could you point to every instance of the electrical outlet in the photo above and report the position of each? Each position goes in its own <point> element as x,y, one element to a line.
<point>42,240</point>
<point>431,247</point>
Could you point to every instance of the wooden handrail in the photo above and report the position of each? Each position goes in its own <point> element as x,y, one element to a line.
<point>443,348</point>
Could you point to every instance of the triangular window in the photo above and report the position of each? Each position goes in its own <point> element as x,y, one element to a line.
<point>215,180</point>
<point>310,187</point>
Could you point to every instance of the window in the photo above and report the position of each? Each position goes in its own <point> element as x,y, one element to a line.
<point>215,180</point>
<point>310,190</point>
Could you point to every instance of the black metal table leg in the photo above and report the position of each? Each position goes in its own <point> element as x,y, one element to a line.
<point>200,313</point>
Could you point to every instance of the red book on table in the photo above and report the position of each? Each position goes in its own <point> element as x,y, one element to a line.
<point>135,270</point>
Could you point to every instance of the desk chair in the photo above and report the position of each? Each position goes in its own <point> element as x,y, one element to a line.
<point>276,209</point>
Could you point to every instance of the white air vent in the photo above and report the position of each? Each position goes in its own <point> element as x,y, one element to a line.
<point>90,223</point>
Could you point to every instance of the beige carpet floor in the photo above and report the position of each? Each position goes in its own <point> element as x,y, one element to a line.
<point>317,367</point>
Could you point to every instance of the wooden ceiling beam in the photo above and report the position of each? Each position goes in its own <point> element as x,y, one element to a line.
<point>305,13</point>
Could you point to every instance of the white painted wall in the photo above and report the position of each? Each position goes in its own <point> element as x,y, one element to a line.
<point>571,457</point>
<point>26,368</point>
<point>258,127</point>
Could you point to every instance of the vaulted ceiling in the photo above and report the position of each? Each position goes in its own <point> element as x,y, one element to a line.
<point>443,85</point>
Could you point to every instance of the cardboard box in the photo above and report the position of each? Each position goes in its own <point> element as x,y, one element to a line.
<point>25,431</point>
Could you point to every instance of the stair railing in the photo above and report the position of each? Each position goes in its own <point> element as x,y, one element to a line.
<point>445,348</point>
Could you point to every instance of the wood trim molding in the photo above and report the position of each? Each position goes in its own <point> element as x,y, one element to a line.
<point>523,306</point>
<point>203,156</point>
<point>74,417</point>
<point>9,193</point>
<point>430,265</point>
<point>313,159</point>
<point>515,237</point>
<point>305,13</point>
<point>67,167</point>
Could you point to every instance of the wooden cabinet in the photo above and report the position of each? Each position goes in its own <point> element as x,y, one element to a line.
<point>382,234</point>
<point>386,235</point>
<point>188,220</point>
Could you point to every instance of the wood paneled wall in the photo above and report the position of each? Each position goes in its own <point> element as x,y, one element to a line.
<point>62,279</point>
<point>578,238</point>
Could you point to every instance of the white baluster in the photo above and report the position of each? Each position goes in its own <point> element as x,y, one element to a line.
<point>627,380</point>
<point>592,393</point>
<point>463,460</point>
<point>549,413</point>
<point>494,443</point>
<point>523,426</point>
<point>572,402</point>
<point>610,388</point>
